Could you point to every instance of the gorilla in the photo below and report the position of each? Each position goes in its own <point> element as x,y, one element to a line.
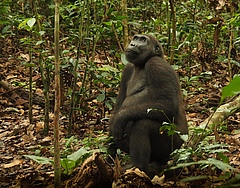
<point>149,95</point>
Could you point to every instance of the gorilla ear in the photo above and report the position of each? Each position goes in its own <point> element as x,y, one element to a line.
<point>157,49</point>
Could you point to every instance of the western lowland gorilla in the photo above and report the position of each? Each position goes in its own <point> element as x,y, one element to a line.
<point>149,95</point>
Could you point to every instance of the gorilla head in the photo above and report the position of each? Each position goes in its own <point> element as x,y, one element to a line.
<point>142,48</point>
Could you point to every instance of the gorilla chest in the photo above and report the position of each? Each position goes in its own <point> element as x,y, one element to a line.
<point>137,84</point>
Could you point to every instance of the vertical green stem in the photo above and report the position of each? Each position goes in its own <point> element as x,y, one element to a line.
<point>57,169</point>
<point>30,114</point>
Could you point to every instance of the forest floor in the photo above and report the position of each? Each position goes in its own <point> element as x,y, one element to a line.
<point>201,88</point>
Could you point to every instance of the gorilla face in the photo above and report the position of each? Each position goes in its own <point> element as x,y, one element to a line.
<point>142,48</point>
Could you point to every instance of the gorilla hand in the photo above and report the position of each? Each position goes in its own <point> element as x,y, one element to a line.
<point>119,125</point>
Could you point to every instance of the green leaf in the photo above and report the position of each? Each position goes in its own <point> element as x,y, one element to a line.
<point>39,42</point>
<point>233,182</point>
<point>123,59</point>
<point>220,165</point>
<point>194,178</point>
<point>176,67</point>
<point>213,146</point>
<point>223,157</point>
<point>42,32</point>
<point>232,89</point>
<point>108,23</point>
<point>134,9</point>
<point>40,160</point>
<point>108,68</point>
<point>184,137</point>
<point>219,151</point>
<point>30,64</point>
<point>77,154</point>
<point>120,17</point>
<point>210,161</point>
<point>109,105</point>
<point>31,22</point>
<point>67,164</point>
<point>69,141</point>
<point>101,97</point>
<point>23,24</point>
<point>65,51</point>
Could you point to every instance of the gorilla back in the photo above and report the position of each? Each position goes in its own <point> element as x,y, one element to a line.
<point>148,82</point>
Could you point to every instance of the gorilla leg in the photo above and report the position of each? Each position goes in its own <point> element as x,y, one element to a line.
<point>148,146</point>
<point>139,144</point>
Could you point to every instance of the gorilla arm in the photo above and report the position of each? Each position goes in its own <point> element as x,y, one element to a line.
<point>121,119</point>
<point>122,93</point>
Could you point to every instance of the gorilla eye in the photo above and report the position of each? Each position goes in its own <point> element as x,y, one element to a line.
<point>143,39</point>
<point>135,38</point>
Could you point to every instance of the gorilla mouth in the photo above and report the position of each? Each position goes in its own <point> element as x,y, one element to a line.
<point>131,51</point>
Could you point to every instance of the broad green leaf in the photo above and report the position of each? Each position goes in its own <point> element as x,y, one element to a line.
<point>223,157</point>
<point>77,154</point>
<point>31,22</point>
<point>39,42</point>
<point>184,137</point>
<point>232,89</point>
<point>40,160</point>
<point>109,105</point>
<point>123,59</point>
<point>67,164</point>
<point>219,164</point>
<point>42,32</point>
<point>100,97</point>
<point>23,24</point>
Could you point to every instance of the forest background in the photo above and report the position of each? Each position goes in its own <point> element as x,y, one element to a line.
<point>201,41</point>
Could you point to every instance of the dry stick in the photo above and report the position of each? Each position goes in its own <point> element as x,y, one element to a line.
<point>174,38</point>
<point>115,33</point>
<point>230,46</point>
<point>195,142</point>
<point>4,85</point>
<point>45,78</point>
<point>30,110</point>
<point>168,27</point>
<point>125,24</point>
<point>73,102</point>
